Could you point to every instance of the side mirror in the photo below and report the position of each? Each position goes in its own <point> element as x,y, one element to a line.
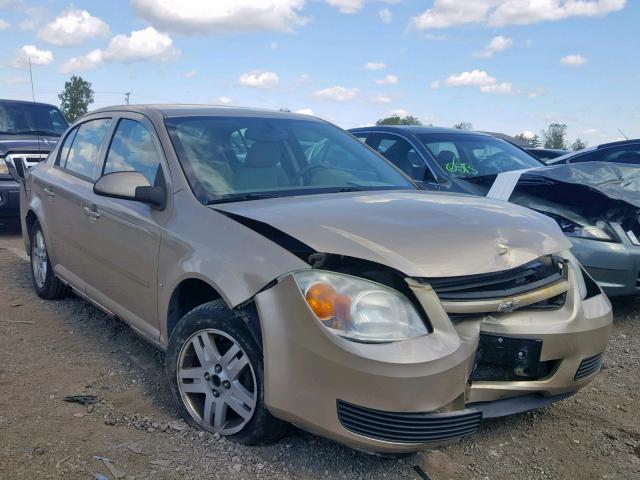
<point>130,186</point>
<point>16,167</point>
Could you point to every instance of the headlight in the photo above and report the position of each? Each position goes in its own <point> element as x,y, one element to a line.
<point>359,310</point>
<point>577,269</point>
<point>3,167</point>
<point>600,231</point>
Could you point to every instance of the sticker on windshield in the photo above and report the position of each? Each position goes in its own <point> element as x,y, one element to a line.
<point>463,168</point>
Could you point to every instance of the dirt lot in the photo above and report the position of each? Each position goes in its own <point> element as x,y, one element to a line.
<point>52,349</point>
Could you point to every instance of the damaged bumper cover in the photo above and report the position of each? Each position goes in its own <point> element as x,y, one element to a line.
<point>409,395</point>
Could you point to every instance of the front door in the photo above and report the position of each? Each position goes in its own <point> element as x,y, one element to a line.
<point>125,235</point>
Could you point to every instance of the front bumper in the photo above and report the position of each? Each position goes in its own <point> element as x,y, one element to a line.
<point>615,266</point>
<point>9,198</point>
<point>411,395</point>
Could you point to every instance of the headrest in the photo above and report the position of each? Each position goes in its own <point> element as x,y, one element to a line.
<point>445,156</point>
<point>263,154</point>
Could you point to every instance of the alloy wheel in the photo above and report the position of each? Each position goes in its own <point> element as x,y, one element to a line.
<point>217,382</point>
<point>39,257</point>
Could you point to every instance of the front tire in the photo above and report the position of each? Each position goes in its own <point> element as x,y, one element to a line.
<point>216,373</point>
<point>45,282</point>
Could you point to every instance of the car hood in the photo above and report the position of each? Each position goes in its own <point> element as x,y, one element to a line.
<point>418,233</point>
<point>26,144</point>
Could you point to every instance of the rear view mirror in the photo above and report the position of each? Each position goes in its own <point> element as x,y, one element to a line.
<point>130,186</point>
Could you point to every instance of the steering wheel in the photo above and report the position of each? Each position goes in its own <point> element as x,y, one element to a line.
<point>301,176</point>
<point>501,161</point>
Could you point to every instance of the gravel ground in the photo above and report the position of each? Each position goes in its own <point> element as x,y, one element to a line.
<point>52,349</point>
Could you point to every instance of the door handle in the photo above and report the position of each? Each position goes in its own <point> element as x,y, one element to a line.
<point>92,212</point>
<point>49,191</point>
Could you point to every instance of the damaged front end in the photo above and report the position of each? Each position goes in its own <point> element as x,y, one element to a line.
<point>597,206</point>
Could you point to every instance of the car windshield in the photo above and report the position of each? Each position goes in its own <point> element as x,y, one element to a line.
<point>245,158</point>
<point>470,156</point>
<point>31,118</point>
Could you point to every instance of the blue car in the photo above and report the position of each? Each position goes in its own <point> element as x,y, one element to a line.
<point>601,220</point>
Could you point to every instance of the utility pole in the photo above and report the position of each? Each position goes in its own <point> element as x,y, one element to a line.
<point>126,97</point>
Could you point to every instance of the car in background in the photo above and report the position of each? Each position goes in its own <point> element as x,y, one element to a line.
<point>294,275</point>
<point>546,154</point>
<point>604,232</point>
<point>625,151</point>
<point>28,131</point>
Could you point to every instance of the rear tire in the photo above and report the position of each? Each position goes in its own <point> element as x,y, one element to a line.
<point>216,373</point>
<point>45,282</point>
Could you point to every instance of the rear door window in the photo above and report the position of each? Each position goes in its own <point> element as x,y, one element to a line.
<point>82,158</point>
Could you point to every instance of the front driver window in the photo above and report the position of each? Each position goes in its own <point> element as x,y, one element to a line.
<point>82,158</point>
<point>132,149</point>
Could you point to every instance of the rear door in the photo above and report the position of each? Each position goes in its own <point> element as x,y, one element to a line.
<point>124,236</point>
<point>64,189</point>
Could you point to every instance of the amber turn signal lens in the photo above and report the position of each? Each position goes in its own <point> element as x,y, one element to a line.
<point>322,297</point>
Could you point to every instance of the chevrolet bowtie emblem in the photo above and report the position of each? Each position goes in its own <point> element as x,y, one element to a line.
<point>508,306</point>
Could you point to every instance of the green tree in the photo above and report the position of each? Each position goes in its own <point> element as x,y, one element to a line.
<point>75,98</point>
<point>578,144</point>
<point>463,126</point>
<point>532,141</point>
<point>555,136</point>
<point>399,120</point>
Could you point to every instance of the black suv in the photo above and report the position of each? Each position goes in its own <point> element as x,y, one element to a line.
<point>28,131</point>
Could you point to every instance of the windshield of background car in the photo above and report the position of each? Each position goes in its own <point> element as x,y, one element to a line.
<point>25,119</point>
<point>469,156</point>
<point>227,158</point>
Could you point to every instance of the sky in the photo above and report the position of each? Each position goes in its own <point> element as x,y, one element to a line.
<point>508,66</point>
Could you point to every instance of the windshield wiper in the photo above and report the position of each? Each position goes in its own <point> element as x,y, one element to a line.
<point>241,198</point>
<point>37,132</point>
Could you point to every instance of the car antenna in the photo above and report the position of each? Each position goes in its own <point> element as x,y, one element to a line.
<point>33,94</point>
<point>625,137</point>
<point>33,97</point>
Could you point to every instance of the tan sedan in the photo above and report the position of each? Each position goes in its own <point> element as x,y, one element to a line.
<point>293,275</point>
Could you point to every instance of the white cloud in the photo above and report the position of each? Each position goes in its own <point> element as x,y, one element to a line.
<point>375,66</point>
<point>497,44</point>
<point>528,134</point>
<point>448,13</point>
<point>219,16</point>
<point>302,79</point>
<point>535,93</point>
<point>381,99</point>
<point>90,61</point>
<point>305,111</point>
<point>574,60</point>
<point>38,57</point>
<point>147,44</point>
<point>140,45</point>
<point>346,6</point>
<point>474,78</point>
<point>259,79</point>
<point>385,15</point>
<point>190,73</point>
<point>15,80</point>
<point>503,88</point>
<point>4,24</point>
<point>337,93</point>
<point>274,45</point>
<point>388,80</point>
<point>223,101</point>
<point>72,28</point>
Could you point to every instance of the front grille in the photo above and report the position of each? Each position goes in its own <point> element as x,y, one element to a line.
<point>408,427</point>
<point>589,366</point>
<point>534,275</point>
<point>28,159</point>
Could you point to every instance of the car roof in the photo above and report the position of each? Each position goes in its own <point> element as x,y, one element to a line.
<point>25,102</point>
<point>186,110</point>
<point>593,149</point>
<point>415,129</point>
